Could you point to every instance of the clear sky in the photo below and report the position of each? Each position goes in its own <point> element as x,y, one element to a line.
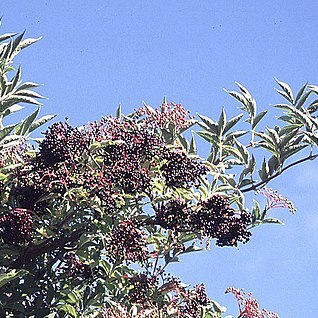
<point>96,54</point>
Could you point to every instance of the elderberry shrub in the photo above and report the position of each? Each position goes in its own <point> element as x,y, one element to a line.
<point>16,227</point>
<point>127,243</point>
<point>217,219</point>
<point>180,170</point>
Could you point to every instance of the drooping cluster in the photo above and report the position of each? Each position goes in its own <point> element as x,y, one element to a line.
<point>181,171</point>
<point>16,226</point>
<point>213,218</point>
<point>127,243</point>
<point>217,219</point>
<point>142,289</point>
<point>175,215</point>
<point>248,306</point>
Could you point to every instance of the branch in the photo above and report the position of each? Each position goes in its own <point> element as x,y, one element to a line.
<point>49,245</point>
<point>273,176</point>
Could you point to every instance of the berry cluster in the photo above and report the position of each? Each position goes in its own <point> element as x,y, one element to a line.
<point>142,289</point>
<point>217,219</point>
<point>16,227</point>
<point>186,302</point>
<point>76,268</point>
<point>248,306</point>
<point>134,140</point>
<point>124,161</point>
<point>175,215</point>
<point>194,299</point>
<point>127,243</point>
<point>180,170</point>
<point>170,113</point>
<point>117,312</point>
<point>214,218</point>
<point>62,142</point>
<point>130,177</point>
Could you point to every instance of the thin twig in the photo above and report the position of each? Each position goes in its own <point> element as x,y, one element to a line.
<point>273,176</point>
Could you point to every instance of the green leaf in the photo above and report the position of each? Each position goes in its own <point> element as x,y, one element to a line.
<point>41,121</point>
<point>24,126</point>
<point>300,96</point>
<point>208,136</point>
<point>264,172</point>
<point>273,221</point>
<point>243,151</point>
<point>192,248</point>
<point>291,150</point>
<point>287,92</point>
<point>24,44</point>
<point>272,133</point>
<point>6,131</point>
<point>221,122</point>
<point>28,85</point>
<point>238,97</point>
<point>12,109</point>
<point>28,93</point>
<point>16,79</point>
<point>273,164</point>
<point>193,147</point>
<point>303,100</point>
<point>210,124</point>
<point>22,99</point>
<point>256,210</point>
<point>287,138</point>
<point>313,107</point>
<point>313,137</point>
<point>6,36</point>
<point>258,118</point>
<point>69,309</point>
<point>183,142</point>
<point>11,275</point>
<point>118,112</point>
<point>232,122</point>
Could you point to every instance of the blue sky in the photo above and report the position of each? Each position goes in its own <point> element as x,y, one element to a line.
<point>97,54</point>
